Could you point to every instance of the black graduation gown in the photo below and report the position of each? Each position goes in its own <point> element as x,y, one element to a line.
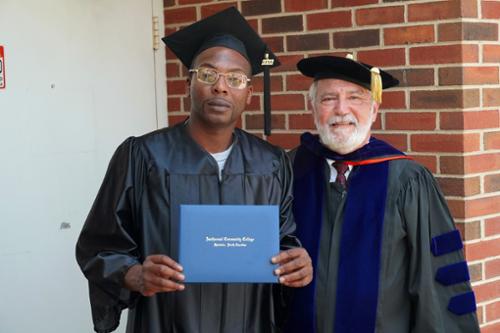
<point>410,299</point>
<point>136,214</point>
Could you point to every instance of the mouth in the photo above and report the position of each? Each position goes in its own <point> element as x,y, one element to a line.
<point>342,124</point>
<point>218,103</point>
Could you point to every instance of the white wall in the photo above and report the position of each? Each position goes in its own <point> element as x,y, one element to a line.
<point>80,79</point>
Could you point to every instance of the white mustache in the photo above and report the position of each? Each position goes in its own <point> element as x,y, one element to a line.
<point>348,118</point>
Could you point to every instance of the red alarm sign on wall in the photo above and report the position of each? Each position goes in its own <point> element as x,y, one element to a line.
<point>2,69</point>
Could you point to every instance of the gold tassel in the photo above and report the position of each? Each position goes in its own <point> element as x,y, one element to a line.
<point>376,84</point>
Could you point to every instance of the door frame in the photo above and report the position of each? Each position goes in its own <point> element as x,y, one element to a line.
<point>160,63</point>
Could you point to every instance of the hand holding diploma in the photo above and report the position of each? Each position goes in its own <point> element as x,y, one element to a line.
<point>158,273</point>
<point>295,267</point>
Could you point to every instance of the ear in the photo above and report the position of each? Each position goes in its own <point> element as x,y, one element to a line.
<point>310,106</point>
<point>375,111</point>
<point>249,94</point>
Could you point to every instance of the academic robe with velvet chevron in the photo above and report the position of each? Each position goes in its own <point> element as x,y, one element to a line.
<point>136,214</point>
<point>423,282</point>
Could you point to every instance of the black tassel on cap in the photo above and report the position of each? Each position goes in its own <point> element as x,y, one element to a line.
<point>266,64</point>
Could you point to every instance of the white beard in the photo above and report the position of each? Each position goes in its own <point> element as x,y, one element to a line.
<point>338,140</point>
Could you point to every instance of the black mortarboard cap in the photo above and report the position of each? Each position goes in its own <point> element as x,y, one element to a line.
<point>230,29</point>
<point>348,69</point>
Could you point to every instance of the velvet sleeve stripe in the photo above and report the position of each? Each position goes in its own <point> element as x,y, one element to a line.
<point>452,274</point>
<point>446,243</point>
<point>462,304</point>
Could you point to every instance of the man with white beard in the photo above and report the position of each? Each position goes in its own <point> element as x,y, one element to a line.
<point>386,255</point>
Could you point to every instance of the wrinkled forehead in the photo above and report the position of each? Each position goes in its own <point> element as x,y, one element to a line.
<point>325,86</point>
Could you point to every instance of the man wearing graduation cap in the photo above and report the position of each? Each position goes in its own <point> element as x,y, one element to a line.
<point>131,234</point>
<point>386,255</point>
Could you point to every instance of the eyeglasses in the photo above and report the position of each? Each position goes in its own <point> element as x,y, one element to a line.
<point>208,75</point>
<point>350,99</point>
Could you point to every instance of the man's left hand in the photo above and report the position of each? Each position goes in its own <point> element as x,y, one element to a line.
<point>295,267</point>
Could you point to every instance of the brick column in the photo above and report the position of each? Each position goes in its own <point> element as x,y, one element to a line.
<point>445,113</point>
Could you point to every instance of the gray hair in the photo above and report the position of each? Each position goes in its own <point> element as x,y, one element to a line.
<point>312,92</point>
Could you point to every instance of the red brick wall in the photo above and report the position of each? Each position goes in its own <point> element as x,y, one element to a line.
<point>445,112</point>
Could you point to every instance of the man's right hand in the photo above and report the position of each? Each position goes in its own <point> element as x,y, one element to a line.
<point>158,273</point>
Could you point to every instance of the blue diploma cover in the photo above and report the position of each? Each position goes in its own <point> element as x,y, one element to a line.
<point>228,243</point>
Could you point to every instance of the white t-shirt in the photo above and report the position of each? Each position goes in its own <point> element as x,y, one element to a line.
<point>221,159</point>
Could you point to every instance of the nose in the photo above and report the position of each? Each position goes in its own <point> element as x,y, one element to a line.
<point>342,106</point>
<point>220,86</point>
